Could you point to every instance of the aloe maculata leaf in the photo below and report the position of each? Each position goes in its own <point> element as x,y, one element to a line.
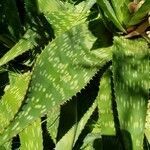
<point>106,119</point>
<point>140,14</point>
<point>131,83</point>
<point>31,137</point>
<point>53,122</point>
<point>64,67</point>
<point>12,17</point>
<point>147,125</point>
<point>63,20</point>
<point>105,123</point>
<point>70,138</point>
<point>109,11</point>
<point>26,43</point>
<point>50,5</point>
<point>13,97</point>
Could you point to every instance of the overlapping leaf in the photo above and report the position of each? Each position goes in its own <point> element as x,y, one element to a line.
<point>12,99</point>
<point>70,138</point>
<point>24,44</point>
<point>63,69</point>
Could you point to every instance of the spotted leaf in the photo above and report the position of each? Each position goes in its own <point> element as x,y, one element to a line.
<point>31,137</point>
<point>131,81</point>
<point>63,69</point>
<point>106,119</point>
<point>24,44</point>
<point>147,125</point>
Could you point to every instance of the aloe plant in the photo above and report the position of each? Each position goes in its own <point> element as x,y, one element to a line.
<point>74,74</point>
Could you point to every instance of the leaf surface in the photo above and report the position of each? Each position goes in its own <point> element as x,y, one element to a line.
<point>131,82</point>
<point>12,99</point>
<point>31,137</point>
<point>65,66</point>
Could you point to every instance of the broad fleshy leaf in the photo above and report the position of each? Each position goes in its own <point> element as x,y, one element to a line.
<point>13,97</point>
<point>54,80</point>
<point>31,137</point>
<point>106,119</point>
<point>110,13</point>
<point>131,82</point>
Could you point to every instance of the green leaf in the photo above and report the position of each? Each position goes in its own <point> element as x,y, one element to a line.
<point>121,10</point>
<point>110,13</point>
<point>131,82</point>
<point>65,19</point>
<point>24,44</point>
<point>7,146</point>
<point>63,69</point>
<point>47,6</point>
<point>31,137</point>
<point>12,99</point>
<point>89,141</point>
<point>147,125</point>
<point>140,14</point>
<point>53,122</point>
<point>106,119</point>
<point>70,138</point>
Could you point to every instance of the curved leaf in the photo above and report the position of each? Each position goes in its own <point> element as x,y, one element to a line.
<point>109,11</point>
<point>24,44</point>
<point>70,138</point>
<point>63,69</point>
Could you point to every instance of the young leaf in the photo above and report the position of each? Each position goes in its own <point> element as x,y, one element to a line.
<point>140,14</point>
<point>109,11</point>
<point>121,10</point>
